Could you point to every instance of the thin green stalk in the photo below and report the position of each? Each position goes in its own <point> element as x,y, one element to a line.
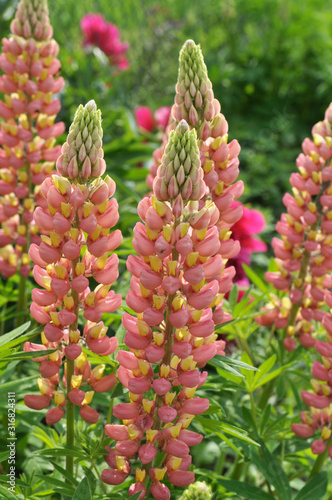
<point>319,462</point>
<point>220,464</point>
<point>246,347</point>
<point>103,487</point>
<point>253,407</point>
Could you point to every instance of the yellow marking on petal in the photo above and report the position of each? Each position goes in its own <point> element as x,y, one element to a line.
<point>156,263</point>
<point>158,301</point>
<point>76,381</point>
<point>196,315</point>
<point>192,258</point>
<point>158,338</point>
<point>160,473</point>
<point>140,475</point>
<point>59,398</point>
<point>186,363</point>
<point>81,360</point>
<point>164,371</point>
<point>160,207</point>
<point>144,366</point>
<point>199,285</point>
<point>90,299</point>
<point>184,227</point>
<point>97,372</point>
<point>152,235</point>
<point>219,189</point>
<point>326,433</point>
<point>169,397</point>
<point>74,336</point>
<point>87,207</point>
<point>96,233</point>
<point>147,405</point>
<point>175,430</point>
<point>174,362</point>
<point>151,434</point>
<point>167,232</point>
<point>172,267</point>
<point>132,432</point>
<point>60,271</point>
<point>144,291</point>
<point>65,209</point>
<point>43,386</point>
<point>54,318</point>
<point>177,303</point>
<point>88,398</point>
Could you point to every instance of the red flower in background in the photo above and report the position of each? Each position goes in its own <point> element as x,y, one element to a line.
<point>148,121</point>
<point>97,31</point>
<point>252,222</point>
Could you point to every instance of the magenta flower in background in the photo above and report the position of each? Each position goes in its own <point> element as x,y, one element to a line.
<point>99,32</point>
<point>252,222</point>
<point>148,121</point>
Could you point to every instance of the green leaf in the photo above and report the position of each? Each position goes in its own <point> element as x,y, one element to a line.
<point>240,364</point>
<point>64,473</point>
<point>233,297</point>
<point>315,488</point>
<point>270,376</point>
<point>21,355</point>
<point>244,489</point>
<point>8,495</point>
<point>256,280</point>
<point>4,455</point>
<point>72,451</point>
<point>224,366</point>
<point>118,390</point>
<point>91,478</point>
<point>83,491</point>
<point>5,339</point>
<point>229,442</point>
<point>265,367</point>
<point>56,483</point>
<point>237,432</point>
<point>249,376</point>
<point>230,376</point>
<point>272,470</point>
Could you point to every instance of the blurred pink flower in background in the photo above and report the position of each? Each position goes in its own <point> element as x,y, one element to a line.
<point>99,32</point>
<point>148,121</point>
<point>252,222</point>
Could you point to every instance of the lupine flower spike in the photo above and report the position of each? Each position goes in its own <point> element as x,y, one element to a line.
<point>177,288</point>
<point>76,241</point>
<point>303,257</point>
<point>195,103</point>
<point>28,129</point>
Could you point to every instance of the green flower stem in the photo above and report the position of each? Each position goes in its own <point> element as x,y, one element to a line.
<point>319,462</point>
<point>253,407</point>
